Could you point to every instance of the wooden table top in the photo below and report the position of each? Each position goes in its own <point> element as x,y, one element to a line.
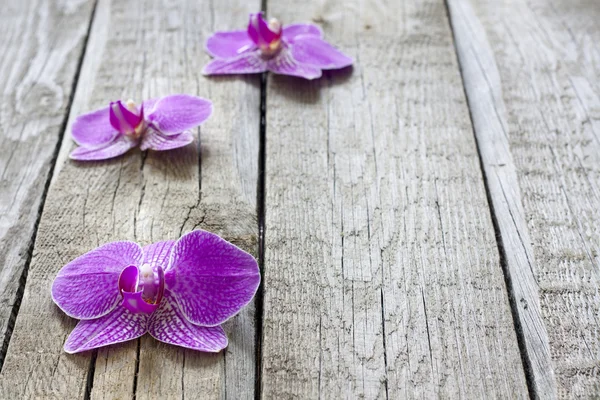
<point>427,222</point>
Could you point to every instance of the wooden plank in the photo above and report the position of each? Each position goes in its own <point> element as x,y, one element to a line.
<point>42,43</point>
<point>382,273</point>
<point>140,51</point>
<point>533,70</point>
<point>484,90</point>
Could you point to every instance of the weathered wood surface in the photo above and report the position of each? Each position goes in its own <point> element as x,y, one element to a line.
<point>141,50</point>
<point>42,43</point>
<point>383,278</point>
<point>488,111</point>
<point>382,273</point>
<point>531,74</point>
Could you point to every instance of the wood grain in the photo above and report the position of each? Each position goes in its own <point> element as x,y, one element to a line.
<point>532,69</point>
<point>484,91</point>
<point>42,43</point>
<point>142,50</point>
<point>382,273</point>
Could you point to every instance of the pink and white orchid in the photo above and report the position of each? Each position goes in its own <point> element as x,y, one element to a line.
<point>179,292</point>
<point>159,124</point>
<point>296,50</point>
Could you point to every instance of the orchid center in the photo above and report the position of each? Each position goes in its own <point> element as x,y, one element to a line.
<point>149,283</point>
<point>266,35</point>
<point>271,48</point>
<point>142,288</point>
<point>127,119</point>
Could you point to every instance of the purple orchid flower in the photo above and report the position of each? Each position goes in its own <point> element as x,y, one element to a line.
<point>159,124</point>
<point>179,292</point>
<point>296,50</point>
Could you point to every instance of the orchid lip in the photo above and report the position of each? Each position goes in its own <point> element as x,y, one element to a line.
<point>142,288</point>
<point>126,119</point>
<point>135,303</point>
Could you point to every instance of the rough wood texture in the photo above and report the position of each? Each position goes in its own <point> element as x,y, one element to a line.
<point>383,277</point>
<point>382,274</point>
<point>42,43</point>
<point>141,50</point>
<point>484,90</point>
<point>540,64</point>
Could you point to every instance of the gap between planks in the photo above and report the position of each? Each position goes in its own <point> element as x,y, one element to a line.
<point>261,231</point>
<point>260,205</point>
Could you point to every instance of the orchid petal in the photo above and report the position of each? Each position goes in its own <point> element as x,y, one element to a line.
<point>210,278</point>
<point>246,63</point>
<point>308,49</point>
<point>229,44</point>
<point>93,129</point>
<point>88,287</point>
<point>291,31</point>
<point>178,113</point>
<point>159,253</point>
<point>285,64</point>
<point>169,325</point>
<point>150,103</point>
<point>155,140</point>
<point>121,145</point>
<point>118,326</point>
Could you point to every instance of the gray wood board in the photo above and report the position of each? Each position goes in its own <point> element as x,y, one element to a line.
<point>142,50</point>
<point>531,73</point>
<point>42,43</point>
<point>382,273</point>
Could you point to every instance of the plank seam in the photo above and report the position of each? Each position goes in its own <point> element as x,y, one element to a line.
<point>61,133</point>
<point>525,359</point>
<point>261,231</point>
<point>260,205</point>
<point>183,375</point>
<point>385,360</point>
<point>89,383</point>
<point>137,369</point>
